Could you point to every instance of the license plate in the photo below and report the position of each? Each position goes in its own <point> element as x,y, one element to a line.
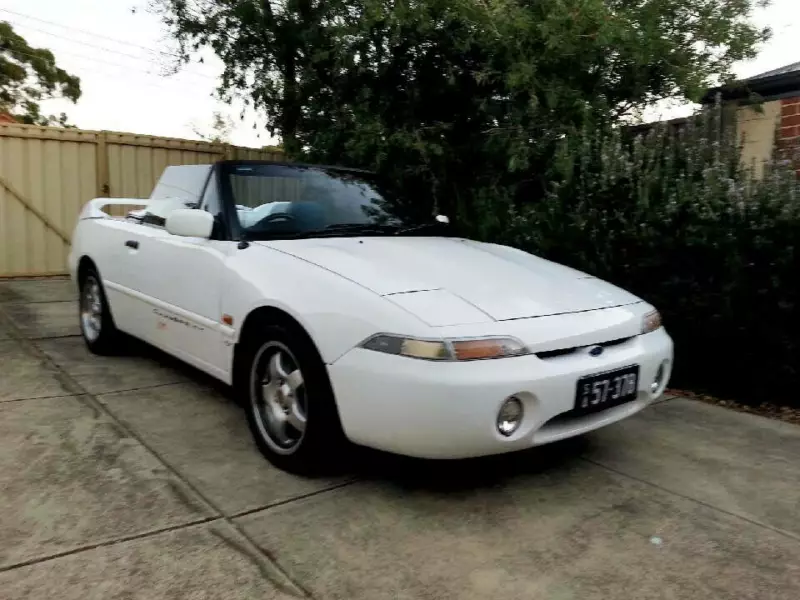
<point>604,390</point>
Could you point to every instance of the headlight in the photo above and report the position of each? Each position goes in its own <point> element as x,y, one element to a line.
<point>453,350</point>
<point>651,321</point>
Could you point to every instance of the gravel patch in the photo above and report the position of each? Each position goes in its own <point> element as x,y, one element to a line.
<point>765,409</point>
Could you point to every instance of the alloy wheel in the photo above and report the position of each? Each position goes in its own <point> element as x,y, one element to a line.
<point>91,309</point>
<point>278,398</point>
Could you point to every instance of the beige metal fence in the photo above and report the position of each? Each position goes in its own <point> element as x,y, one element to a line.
<point>47,174</point>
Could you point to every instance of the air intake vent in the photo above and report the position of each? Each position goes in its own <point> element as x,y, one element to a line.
<point>565,351</point>
<point>554,353</point>
<point>615,342</point>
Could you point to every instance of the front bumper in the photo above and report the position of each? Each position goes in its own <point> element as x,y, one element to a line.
<point>448,410</point>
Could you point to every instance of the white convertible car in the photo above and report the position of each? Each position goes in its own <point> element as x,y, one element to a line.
<point>339,316</point>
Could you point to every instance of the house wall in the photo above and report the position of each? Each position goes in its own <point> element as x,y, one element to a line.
<point>755,127</point>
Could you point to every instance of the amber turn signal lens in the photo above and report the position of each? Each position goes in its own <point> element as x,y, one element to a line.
<point>491,348</point>
<point>475,349</point>
<point>651,322</point>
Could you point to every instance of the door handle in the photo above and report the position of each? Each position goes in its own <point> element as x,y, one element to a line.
<point>132,244</point>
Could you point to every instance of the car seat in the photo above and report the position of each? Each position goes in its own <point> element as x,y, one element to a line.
<point>308,214</point>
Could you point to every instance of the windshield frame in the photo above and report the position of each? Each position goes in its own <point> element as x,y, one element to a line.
<point>226,168</point>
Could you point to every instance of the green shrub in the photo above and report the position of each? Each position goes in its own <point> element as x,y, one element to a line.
<point>673,217</point>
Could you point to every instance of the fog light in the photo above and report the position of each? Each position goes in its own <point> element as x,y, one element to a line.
<point>659,378</point>
<point>510,416</point>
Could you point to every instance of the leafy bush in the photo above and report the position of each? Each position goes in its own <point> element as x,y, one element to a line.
<point>673,217</point>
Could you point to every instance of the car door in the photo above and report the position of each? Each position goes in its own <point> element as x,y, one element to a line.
<point>182,283</point>
<point>119,268</point>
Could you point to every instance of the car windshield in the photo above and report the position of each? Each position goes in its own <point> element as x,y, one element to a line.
<point>275,201</point>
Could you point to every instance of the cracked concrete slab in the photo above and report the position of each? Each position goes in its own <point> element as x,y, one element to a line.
<point>519,525</point>
<point>69,477</point>
<point>741,463</point>
<point>204,436</point>
<point>44,319</point>
<point>204,561</point>
<point>23,375</point>
<point>5,329</point>
<point>37,290</point>
<point>103,374</point>
<point>576,531</point>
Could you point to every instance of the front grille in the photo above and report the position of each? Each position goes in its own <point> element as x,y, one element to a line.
<point>565,351</point>
<point>614,342</point>
<point>554,353</point>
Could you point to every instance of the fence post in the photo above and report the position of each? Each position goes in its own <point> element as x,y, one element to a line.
<point>103,185</point>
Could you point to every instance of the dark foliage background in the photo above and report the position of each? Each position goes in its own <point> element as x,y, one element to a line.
<point>508,116</point>
<point>676,219</point>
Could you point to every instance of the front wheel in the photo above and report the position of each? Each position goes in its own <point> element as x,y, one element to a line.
<point>97,325</point>
<point>289,402</point>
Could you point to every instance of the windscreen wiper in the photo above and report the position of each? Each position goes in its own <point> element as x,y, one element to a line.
<point>419,228</point>
<point>340,230</point>
<point>360,227</point>
<point>337,230</point>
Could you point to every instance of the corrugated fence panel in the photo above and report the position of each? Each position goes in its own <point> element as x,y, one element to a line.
<point>20,256</point>
<point>237,153</point>
<point>78,184</point>
<point>47,174</point>
<point>253,191</point>
<point>39,191</point>
<point>12,214</point>
<point>136,162</point>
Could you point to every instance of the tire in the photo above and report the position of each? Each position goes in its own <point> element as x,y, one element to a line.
<point>284,388</point>
<point>96,323</point>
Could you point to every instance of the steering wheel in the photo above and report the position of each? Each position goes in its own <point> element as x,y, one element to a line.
<point>277,217</point>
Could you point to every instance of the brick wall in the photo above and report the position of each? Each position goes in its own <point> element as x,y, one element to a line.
<point>790,129</point>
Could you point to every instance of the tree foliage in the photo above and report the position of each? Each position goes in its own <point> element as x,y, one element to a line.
<point>218,132</point>
<point>29,75</point>
<point>505,114</point>
<point>676,218</point>
<point>459,99</point>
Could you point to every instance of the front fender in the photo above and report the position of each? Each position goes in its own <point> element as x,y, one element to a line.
<point>337,313</point>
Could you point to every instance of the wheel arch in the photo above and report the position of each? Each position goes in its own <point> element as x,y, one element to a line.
<point>84,264</point>
<point>271,315</point>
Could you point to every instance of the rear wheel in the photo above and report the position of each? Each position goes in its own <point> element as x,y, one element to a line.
<point>97,325</point>
<point>289,402</point>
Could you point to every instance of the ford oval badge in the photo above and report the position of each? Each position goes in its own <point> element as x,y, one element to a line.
<point>596,350</point>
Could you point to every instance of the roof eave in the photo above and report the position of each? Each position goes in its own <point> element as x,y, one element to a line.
<point>766,88</point>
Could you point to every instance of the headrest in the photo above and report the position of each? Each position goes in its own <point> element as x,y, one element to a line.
<point>307,215</point>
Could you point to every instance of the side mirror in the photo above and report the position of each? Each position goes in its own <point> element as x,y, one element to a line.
<point>190,222</point>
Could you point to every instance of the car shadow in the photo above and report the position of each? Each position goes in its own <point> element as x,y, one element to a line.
<point>448,476</point>
<point>134,347</point>
<point>405,473</point>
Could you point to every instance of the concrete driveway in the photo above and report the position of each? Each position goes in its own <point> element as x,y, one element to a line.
<point>135,477</point>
